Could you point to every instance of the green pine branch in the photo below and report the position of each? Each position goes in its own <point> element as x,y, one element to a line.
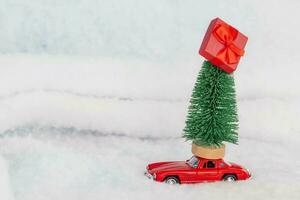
<point>212,115</point>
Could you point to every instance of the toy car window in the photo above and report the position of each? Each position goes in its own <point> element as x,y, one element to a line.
<point>222,165</point>
<point>211,164</point>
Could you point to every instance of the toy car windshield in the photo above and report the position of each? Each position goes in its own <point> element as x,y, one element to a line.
<point>193,161</point>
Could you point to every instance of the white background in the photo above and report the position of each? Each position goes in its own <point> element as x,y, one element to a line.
<point>91,91</point>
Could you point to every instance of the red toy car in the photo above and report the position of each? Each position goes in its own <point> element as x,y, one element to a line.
<point>196,170</point>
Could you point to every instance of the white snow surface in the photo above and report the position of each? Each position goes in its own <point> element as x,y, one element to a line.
<point>92,91</point>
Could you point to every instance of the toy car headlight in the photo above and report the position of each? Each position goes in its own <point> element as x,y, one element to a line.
<point>154,175</point>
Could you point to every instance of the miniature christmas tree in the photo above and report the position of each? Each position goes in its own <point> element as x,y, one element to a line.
<point>212,115</point>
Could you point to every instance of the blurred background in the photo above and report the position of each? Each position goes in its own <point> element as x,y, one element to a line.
<point>91,91</point>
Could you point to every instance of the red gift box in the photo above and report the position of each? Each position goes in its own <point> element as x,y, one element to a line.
<point>223,45</point>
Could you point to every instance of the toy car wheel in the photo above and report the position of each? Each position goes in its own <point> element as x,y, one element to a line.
<point>172,180</point>
<point>229,178</point>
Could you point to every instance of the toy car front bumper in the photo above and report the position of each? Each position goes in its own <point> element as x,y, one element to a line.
<point>148,175</point>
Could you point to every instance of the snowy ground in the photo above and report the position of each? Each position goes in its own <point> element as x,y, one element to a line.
<point>75,143</point>
<point>62,163</point>
<point>90,94</point>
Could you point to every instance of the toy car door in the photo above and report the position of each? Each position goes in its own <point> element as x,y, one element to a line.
<point>208,171</point>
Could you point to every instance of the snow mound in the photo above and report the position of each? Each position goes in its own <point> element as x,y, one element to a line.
<point>65,163</point>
